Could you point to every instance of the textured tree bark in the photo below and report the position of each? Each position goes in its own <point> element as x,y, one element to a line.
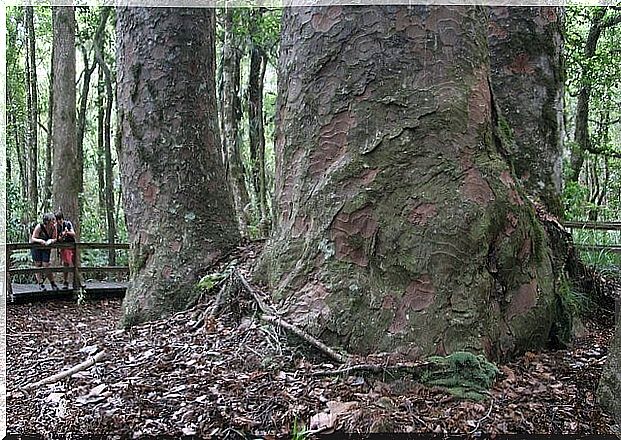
<point>33,113</point>
<point>178,208</point>
<point>527,80</point>
<point>231,115</point>
<point>256,132</point>
<point>609,390</point>
<point>67,169</point>
<point>399,226</point>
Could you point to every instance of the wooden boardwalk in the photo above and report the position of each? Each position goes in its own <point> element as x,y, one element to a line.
<point>94,289</point>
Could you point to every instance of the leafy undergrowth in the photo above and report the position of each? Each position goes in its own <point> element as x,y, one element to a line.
<point>236,374</point>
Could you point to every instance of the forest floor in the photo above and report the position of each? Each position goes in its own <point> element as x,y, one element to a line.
<point>234,374</point>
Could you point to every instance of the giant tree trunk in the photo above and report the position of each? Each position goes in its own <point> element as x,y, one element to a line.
<point>231,115</point>
<point>399,226</point>
<point>33,108</point>
<point>67,169</point>
<point>179,212</point>
<point>258,61</point>
<point>527,80</point>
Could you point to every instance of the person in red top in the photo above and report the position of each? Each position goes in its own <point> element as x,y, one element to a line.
<point>66,234</point>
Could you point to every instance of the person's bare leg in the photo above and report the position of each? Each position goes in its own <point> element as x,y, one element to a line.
<point>38,276</point>
<point>49,273</point>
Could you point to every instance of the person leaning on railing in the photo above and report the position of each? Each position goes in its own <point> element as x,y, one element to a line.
<point>44,234</point>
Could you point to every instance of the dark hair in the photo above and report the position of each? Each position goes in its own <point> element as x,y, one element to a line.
<point>49,217</point>
<point>59,215</point>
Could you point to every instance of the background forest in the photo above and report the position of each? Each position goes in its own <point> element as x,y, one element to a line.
<point>247,48</point>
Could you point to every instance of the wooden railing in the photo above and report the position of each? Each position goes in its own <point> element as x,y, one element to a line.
<point>77,270</point>
<point>601,226</point>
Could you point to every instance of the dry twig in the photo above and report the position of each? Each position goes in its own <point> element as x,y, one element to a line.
<point>308,338</point>
<point>59,376</point>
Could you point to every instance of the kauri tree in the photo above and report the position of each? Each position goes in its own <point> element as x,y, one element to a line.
<point>527,80</point>
<point>67,168</point>
<point>399,226</point>
<point>179,212</point>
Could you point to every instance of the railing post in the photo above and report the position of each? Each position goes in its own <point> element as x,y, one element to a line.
<point>9,284</point>
<point>76,261</point>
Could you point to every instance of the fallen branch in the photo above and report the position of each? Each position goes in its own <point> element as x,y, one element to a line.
<point>269,317</point>
<point>308,338</point>
<point>70,372</point>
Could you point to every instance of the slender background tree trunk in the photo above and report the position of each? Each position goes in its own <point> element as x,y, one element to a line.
<point>47,186</point>
<point>231,116</point>
<point>256,130</point>
<point>33,111</point>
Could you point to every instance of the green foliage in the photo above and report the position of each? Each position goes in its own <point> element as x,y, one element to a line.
<point>575,200</point>
<point>16,206</point>
<point>573,302</point>
<point>462,374</point>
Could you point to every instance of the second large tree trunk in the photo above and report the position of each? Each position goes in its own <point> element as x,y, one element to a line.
<point>527,79</point>
<point>399,227</point>
<point>67,170</point>
<point>179,213</point>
